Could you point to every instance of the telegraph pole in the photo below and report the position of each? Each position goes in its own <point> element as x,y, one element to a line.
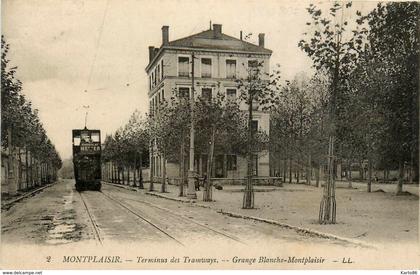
<point>191,194</point>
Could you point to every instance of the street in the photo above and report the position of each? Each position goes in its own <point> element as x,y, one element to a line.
<point>60,215</point>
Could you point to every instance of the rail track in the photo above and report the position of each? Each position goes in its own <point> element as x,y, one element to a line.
<point>126,207</point>
<point>97,235</point>
<point>183,218</point>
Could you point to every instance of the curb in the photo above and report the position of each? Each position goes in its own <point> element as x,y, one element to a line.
<point>7,205</point>
<point>299,229</point>
<point>123,186</point>
<point>178,199</point>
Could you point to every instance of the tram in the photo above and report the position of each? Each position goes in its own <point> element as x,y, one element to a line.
<point>87,159</point>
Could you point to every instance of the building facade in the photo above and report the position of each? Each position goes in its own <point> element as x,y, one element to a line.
<point>219,60</point>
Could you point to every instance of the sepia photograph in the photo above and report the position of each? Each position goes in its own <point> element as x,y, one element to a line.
<point>209,135</point>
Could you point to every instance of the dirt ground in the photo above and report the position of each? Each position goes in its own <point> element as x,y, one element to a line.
<point>379,217</point>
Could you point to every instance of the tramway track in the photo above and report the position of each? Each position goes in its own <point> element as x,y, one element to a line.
<point>184,218</point>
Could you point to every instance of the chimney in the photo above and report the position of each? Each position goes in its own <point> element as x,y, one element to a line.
<point>217,30</point>
<point>151,53</point>
<point>165,35</point>
<point>240,35</point>
<point>261,40</point>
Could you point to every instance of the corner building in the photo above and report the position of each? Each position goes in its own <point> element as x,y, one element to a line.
<point>219,60</point>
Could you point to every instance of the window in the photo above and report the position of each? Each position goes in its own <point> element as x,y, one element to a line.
<point>150,82</point>
<point>230,68</point>
<point>205,67</point>
<point>254,126</point>
<point>95,137</point>
<point>231,162</point>
<point>158,73</point>
<point>183,66</point>
<point>219,171</point>
<point>252,63</point>
<point>231,94</point>
<point>253,67</point>
<point>184,92</point>
<point>155,104</point>
<point>161,65</point>
<point>76,141</point>
<point>206,93</point>
<point>163,95</point>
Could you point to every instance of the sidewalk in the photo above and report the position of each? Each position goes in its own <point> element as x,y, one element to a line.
<point>375,217</point>
<point>7,201</point>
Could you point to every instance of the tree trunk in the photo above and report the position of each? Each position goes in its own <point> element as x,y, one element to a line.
<point>182,169</point>
<point>248,198</point>
<point>135,169</point>
<point>207,194</point>
<point>19,167</point>
<point>118,174</point>
<point>141,186</point>
<point>400,177</point>
<point>27,167</point>
<point>309,171</point>
<point>411,178</point>
<point>284,170</point>
<point>31,171</point>
<point>349,174</point>
<point>317,174</point>
<point>290,170</point>
<point>163,186</point>
<point>369,185</point>
<point>152,167</point>
<point>361,170</point>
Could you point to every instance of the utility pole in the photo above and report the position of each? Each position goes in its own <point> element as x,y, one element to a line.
<point>248,199</point>
<point>191,194</point>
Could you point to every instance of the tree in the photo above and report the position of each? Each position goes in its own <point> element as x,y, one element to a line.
<point>168,126</point>
<point>220,126</point>
<point>128,148</point>
<point>331,51</point>
<point>390,66</point>
<point>255,90</point>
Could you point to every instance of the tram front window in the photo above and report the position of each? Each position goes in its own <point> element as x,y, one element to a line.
<point>95,137</point>
<point>76,141</point>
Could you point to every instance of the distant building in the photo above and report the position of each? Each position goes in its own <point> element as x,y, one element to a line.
<point>219,58</point>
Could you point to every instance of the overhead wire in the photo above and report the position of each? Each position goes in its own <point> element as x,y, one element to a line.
<point>97,44</point>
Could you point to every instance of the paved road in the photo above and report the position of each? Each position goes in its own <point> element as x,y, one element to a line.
<point>60,215</point>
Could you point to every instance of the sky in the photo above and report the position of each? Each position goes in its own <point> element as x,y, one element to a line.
<point>76,53</point>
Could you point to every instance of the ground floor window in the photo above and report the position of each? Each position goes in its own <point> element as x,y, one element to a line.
<point>231,162</point>
<point>219,169</point>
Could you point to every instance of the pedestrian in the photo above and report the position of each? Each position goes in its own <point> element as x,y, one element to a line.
<point>197,182</point>
<point>204,179</point>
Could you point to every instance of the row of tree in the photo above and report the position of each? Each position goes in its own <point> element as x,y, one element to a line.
<point>360,106</point>
<point>220,127</point>
<point>126,152</point>
<point>372,67</point>
<point>372,75</point>
<point>31,156</point>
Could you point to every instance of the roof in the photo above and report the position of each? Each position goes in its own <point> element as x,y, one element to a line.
<point>207,40</point>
